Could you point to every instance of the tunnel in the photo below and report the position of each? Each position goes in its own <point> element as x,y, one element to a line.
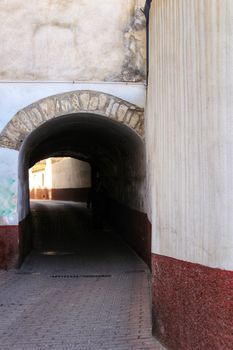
<point>116,157</point>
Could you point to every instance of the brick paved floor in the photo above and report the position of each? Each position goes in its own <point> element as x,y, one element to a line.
<point>97,297</point>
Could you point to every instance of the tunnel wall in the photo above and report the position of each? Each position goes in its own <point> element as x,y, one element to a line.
<point>189,156</point>
<point>133,226</point>
<point>127,202</point>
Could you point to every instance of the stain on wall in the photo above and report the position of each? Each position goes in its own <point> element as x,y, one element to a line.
<point>134,67</point>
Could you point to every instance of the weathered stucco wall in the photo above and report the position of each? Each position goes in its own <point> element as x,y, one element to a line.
<point>72,40</point>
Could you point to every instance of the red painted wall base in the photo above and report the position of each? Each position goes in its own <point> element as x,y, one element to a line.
<point>9,247</point>
<point>192,305</point>
<point>62,194</point>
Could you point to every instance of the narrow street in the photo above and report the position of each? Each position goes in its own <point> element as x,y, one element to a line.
<point>79,289</point>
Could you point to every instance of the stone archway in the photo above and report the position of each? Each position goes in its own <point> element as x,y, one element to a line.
<point>83,101</point>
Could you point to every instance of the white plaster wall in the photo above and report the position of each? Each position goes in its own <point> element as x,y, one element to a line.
<point>190,130</point>
<point>48,174</point>
<point>72,40</point>
<point>15,96</point>
<point>8,186</point>
<point>35,180</point>
<point>71,173</point>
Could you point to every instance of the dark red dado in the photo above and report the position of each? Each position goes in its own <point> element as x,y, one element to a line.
<point>9,248</point>
<point>62,194</point>
<point>192,305</point>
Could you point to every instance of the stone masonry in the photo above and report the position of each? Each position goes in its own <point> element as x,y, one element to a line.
<point>91,102</point>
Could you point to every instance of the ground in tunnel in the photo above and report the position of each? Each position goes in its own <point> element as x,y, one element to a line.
<point>94,297</point>
<point>66,227</point>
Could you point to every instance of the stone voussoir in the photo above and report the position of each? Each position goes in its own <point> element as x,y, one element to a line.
<point>83,101</point>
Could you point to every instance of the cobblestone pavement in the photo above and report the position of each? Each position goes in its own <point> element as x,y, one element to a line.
<point>97,297</point>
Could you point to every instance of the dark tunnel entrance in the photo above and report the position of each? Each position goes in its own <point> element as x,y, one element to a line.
<point>116,156</point>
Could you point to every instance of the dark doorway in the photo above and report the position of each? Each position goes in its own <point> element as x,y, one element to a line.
<point>116,155</point>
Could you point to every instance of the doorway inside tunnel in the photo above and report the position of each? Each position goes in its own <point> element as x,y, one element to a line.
<point>115,196</point>
<point>60,188</point>
<point>60,178</point>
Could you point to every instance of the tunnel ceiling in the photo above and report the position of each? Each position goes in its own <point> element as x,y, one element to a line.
<point>96,140</point>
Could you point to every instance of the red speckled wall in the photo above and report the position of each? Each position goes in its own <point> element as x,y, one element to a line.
<point>192,305</point>
<point>8,246</point>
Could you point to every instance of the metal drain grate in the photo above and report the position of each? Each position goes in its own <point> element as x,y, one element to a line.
<point>10,304</point>
<point>80,276</point>
<point>135,271</point>
<point>27,273</point>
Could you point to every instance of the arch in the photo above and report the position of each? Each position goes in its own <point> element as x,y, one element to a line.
<point>113,148</point>
<point>83,101</point>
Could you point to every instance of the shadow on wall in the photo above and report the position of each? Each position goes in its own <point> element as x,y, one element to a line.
<point>133,226</point>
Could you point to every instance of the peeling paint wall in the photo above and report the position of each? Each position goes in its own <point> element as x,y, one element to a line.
<point>77,40</point>
<point>8,187</point>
